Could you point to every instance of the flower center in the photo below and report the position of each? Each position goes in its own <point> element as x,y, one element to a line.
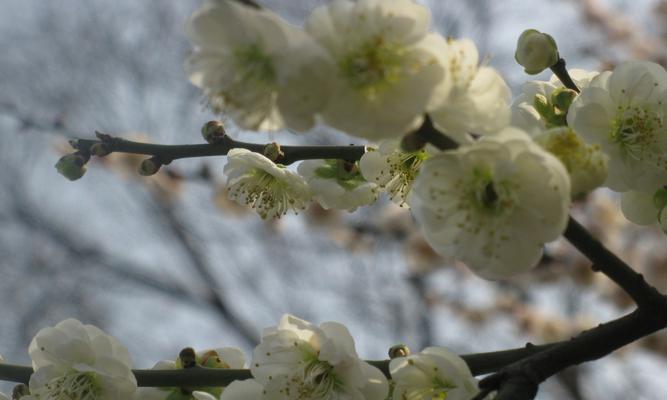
<point>268,195</point>
<point>404,168</point>
<point>636,132</point>
<point>489,197</point>
<point>72,386</point>
<point>252,65</point>
<point>372,66</point>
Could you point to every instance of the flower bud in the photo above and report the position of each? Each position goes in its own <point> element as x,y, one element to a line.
<point>187,357</point>
<point>562,98</point>
<point>100,150</point>
<point>273,152</point>
<point>213,132</point>
<point>536,51</point>
<point>150,166</point>
<point>72,166</point>
<point>399,350</point>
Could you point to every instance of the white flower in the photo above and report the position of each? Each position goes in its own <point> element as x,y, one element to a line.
<point>492,204</point>
<point>536,51</point>
<point>300,361</point>
<point>225,357</point>
<point>250,64</point>
<point>392,169</point>
<point>646,208</point>
<point>527,117</point>
<point>386,65</point>
<point>337,184</point>
<point>270,189</point>
<point>243,390</point>
<point>624,111</point>
<point>586,163</point>
<point>435,373</point>
<point>479,99</point>
<point>76,361</point>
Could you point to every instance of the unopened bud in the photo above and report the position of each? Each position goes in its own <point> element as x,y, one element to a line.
<point>541,104</point>
<point>100,149</point>
<point>536,51</point>
<point>211,359</point>
<point>150,166</point>
<point>562,98</point>
<point>187,357</point>
<point>72,166</point>
<point>399,350</point>
<point>213,132</point>
<point>273,152</point>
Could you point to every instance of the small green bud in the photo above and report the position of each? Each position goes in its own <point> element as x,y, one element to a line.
<point>399,350</point>
<point>542,105</point>
<point>273,152</point>
<point>100,150</point>
<point>72,166</point>
<point>562,98</point>
<point>213,132</point>
<point>150,166</point>
<point>536,51</point>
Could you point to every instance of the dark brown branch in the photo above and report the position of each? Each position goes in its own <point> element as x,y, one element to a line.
<point>168,153</point>
<point>561,72</point>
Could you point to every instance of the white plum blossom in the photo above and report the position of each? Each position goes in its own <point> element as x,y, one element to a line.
<point>225,358</point>
<point>76,361</point>
<point>492,204</point>
<point>392,169</point>
<point>270,189</point>
<point>251,64</point>
<point>387,67</point>
<point>297,360</point>
<point>434,373</point>
<point>547,93</point>
<point>479,99</point>
<point>586,163</point>
<point>646,208</point>
<point>624,112</point>
<point>337,184</point>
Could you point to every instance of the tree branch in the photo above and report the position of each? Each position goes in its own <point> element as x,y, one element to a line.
<point>479,363</point>
<point>168,153</point>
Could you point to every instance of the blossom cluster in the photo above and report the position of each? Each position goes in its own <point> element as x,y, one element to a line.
<point>374,69</point>
<point>295,360</point>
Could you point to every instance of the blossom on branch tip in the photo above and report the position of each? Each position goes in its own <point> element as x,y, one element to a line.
<point>76,361</point>
<point>386,66</point>
<point>337,184</point>
<point>297,360</point>
<point>251,65</point>
<point>434,373</point>
<point>625,112</point>
<point>540,105</point>
<point>270,189</point>
<point>392,169</point>
<point>479,99</point>
<point>493,203</point>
